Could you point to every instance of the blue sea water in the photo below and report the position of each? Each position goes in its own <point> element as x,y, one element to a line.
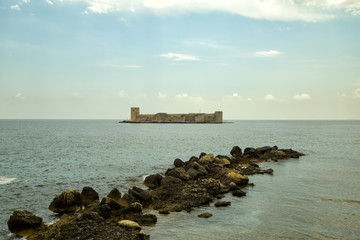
<point>314,197</point>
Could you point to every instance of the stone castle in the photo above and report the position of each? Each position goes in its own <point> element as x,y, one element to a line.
<point>136,117</point>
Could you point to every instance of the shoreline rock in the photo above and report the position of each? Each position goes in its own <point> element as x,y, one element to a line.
<point>196,182</point>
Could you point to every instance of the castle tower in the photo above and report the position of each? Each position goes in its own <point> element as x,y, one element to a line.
<point>218,116</point>
<point>135,111</point>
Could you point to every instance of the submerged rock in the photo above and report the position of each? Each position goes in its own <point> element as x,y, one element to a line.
<point>205,215</point>
<point>23,223</point>
<point>222,204</point>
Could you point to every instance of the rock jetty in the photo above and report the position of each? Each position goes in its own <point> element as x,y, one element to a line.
<point>187,185</point>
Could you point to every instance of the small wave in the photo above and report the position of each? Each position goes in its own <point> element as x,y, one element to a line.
<point>5,180</point>
<point>343,201</point>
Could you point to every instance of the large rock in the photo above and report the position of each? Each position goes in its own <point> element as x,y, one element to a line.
<point>206,159</point>
<point>222,204</point>
<point>170,181</point>
<point>178,163</point>
<point>262,150</point>
<point>222,161</point>
<point>153,181</point>
<point>88,195</point>
<point>129,225</point>
<point>137,194</point>
<point>23,223</point>
<point>236,152</point>
<point>115,194</point>
<point>236,177</point>
<point>114,205</point>
<point>67,201</point>
<point>178,172</point>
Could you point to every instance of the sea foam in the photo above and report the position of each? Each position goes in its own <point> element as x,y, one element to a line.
<point>5,180</point>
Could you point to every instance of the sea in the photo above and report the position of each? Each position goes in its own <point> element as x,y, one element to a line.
<point>314,197</point>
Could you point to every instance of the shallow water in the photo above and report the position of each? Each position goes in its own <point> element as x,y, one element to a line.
<point>316,196</point>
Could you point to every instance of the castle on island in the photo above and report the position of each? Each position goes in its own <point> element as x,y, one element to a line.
<point>136,117</point>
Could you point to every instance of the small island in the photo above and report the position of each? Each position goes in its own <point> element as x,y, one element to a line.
<point>136,117</point>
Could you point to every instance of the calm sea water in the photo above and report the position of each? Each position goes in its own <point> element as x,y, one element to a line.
<point>316,196</point>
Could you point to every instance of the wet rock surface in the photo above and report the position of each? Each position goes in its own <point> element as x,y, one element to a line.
<point>196,182</point>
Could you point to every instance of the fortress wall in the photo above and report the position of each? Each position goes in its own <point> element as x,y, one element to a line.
<point>176,118</point>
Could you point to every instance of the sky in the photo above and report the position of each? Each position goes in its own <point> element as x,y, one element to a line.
<point>251,59</point>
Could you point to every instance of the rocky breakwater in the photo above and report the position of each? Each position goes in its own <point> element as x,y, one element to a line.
<point>193,183</point>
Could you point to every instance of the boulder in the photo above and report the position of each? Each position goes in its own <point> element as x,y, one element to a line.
<point>178,163</point>
<point>129,225</point>
<point>239,193</point>
<point>67,201</point>
<point>148,218</point>
<point>262,150</point>
<point>153,181</point>
<point>194,174</point>
<point>23,223</point>
<point>115,194</point>
<point>135,208</point>
<point>204,215</point>
<point>139,195</point>
<point>89,195</point>
<point>202,154</point>
<point>178,172</point>
<point>222,161</point>
<point>250,153</point>
<point>236,152</point>
<point>236,177</point>
<point>92,216</point>
<point>114,205</point>
<point>169,181</point>
<point>206,159</point>
<point>104,211</point>
<point>222,204</point>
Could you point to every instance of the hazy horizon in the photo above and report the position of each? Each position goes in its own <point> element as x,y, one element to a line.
<point>251,59</point>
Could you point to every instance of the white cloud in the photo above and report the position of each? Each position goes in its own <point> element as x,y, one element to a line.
<point>121,93</point>
<point>356,93</point>
<point>303,96</point>
<point>162,95</point>
<point>179,57</point>
<point>20,96</point>
<point>181,95</point>
<point>236,95</point>
<point>249,99</point>
<point>15,7</point>
<point>269,97</point>
<point>283,10</point>
<point>49,2</point>
<point>25,1</point>
<point>270,53</point>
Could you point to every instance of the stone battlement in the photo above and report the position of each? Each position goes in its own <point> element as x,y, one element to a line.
<point>136,117</point>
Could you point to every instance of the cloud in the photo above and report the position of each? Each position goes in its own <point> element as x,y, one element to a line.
<point>236,95</point>
<point>249,99</point>
<point>181,95</point>
<point>278,10</point>
<point>303,96</point>
<point>269,97</point>
<point>49,2</point>
<point>270,53</point>
<point>121,93</point>
<point>15,7</point>
<point>179,57</point>
<point>162,95</point>
<point>20,96</point>
<point>356,94</point>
